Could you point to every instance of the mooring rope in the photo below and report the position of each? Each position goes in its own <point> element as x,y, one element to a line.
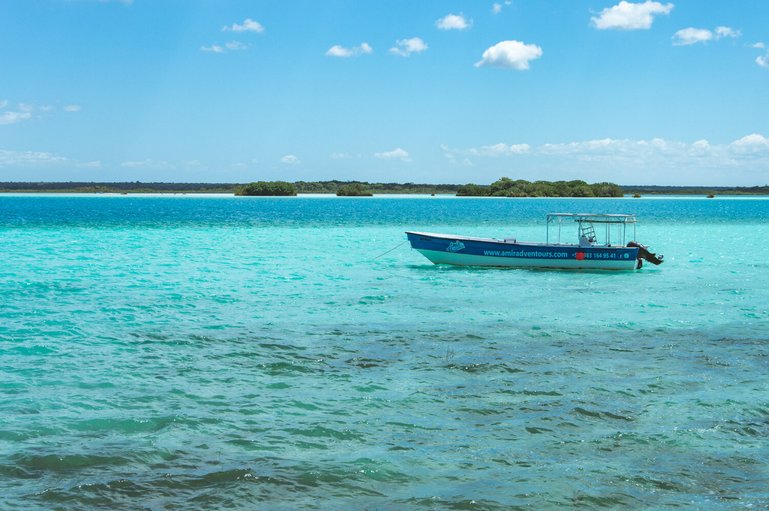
<point>385,253</point>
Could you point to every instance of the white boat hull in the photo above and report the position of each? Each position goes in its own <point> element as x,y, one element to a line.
<point>437,257</point>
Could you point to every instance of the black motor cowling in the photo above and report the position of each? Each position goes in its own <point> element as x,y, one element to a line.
<point>644,253</point>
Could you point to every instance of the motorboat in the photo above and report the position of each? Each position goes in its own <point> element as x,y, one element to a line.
<point>600,246</point>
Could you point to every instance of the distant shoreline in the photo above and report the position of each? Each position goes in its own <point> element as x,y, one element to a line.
<point>322,187</point>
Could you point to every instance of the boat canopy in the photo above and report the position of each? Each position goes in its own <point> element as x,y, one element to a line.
<point>595,218</point>
<point>586,233</point>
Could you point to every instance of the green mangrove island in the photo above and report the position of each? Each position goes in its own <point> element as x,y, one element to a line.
<point>506,187</point>
<point>266,188</point>
<point>353,190</point>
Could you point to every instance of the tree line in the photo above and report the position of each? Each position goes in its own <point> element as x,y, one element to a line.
<point>506,187</point>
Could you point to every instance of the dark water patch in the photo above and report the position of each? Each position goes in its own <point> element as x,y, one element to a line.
<point>537,431</point>
<point>528,392</point>
<point>373,299</point>
<point>30,351</point>
<point>65,463</point>
<point>16,471</point>
<point>410,426</point>
<point>273,346</point>
<point>746,428</point>
<point>124,426</point>
<point>484,411</point>
<point>26,431</point>
<point>326,432</point>
<point>289,369</point>
<point>228,488</point>
<point>219,479</point>
<point>587,413</point>
<point>251,445</point>
<point>613,500</point>
<point>472,367</point>
<point>593,414</point>
<point>366,363</point>
<point>97,494</point>
<point>651,484</point>
<point>150,336</point>
<point>96,385</point>
<point>618,416</point>
<point>458,504</point>
<point>303,405</point>
<point>369,388</point>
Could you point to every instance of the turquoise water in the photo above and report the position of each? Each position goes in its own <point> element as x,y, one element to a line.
<point>193,353</point>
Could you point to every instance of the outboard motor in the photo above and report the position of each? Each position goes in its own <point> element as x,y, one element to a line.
<point>644,253</point>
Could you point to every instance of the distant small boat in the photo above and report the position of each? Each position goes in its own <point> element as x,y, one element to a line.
<point>588,254</point>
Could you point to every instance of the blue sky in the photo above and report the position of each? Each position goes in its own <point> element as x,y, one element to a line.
<point>399,90</point>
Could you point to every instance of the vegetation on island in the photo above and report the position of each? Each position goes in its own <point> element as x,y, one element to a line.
<point>330,187</point>
<point>506,187</point>
<point>696,190</point>
<point>113,187</point>
<point>267,188</point>
<point>377,188</point>
<point>353,190</point>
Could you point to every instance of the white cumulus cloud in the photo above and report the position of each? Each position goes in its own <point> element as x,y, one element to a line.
<point>500,150</point>
<point>752,143</point>
<point>496,8</point>
<point>235,45</point>
<point>763,60</point>
<point>248,25</point>
<point>624,160</point>
<point>227,47</point>
<point>25,111</point>
<point>722,32</point>
<point>467,157</point>
<point>14,117</point>
<point>290,159</point>
<point>341,51</point>
<point>511,55</point>
<point>147,164</point>
<point>691,35</point>
<point>405,47</point>
<point>395,154</point>
<point>630,16</point>
<point>453,22</point>
<point>214,48</point>
<point>29,158</point>
<point>701,145</point>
